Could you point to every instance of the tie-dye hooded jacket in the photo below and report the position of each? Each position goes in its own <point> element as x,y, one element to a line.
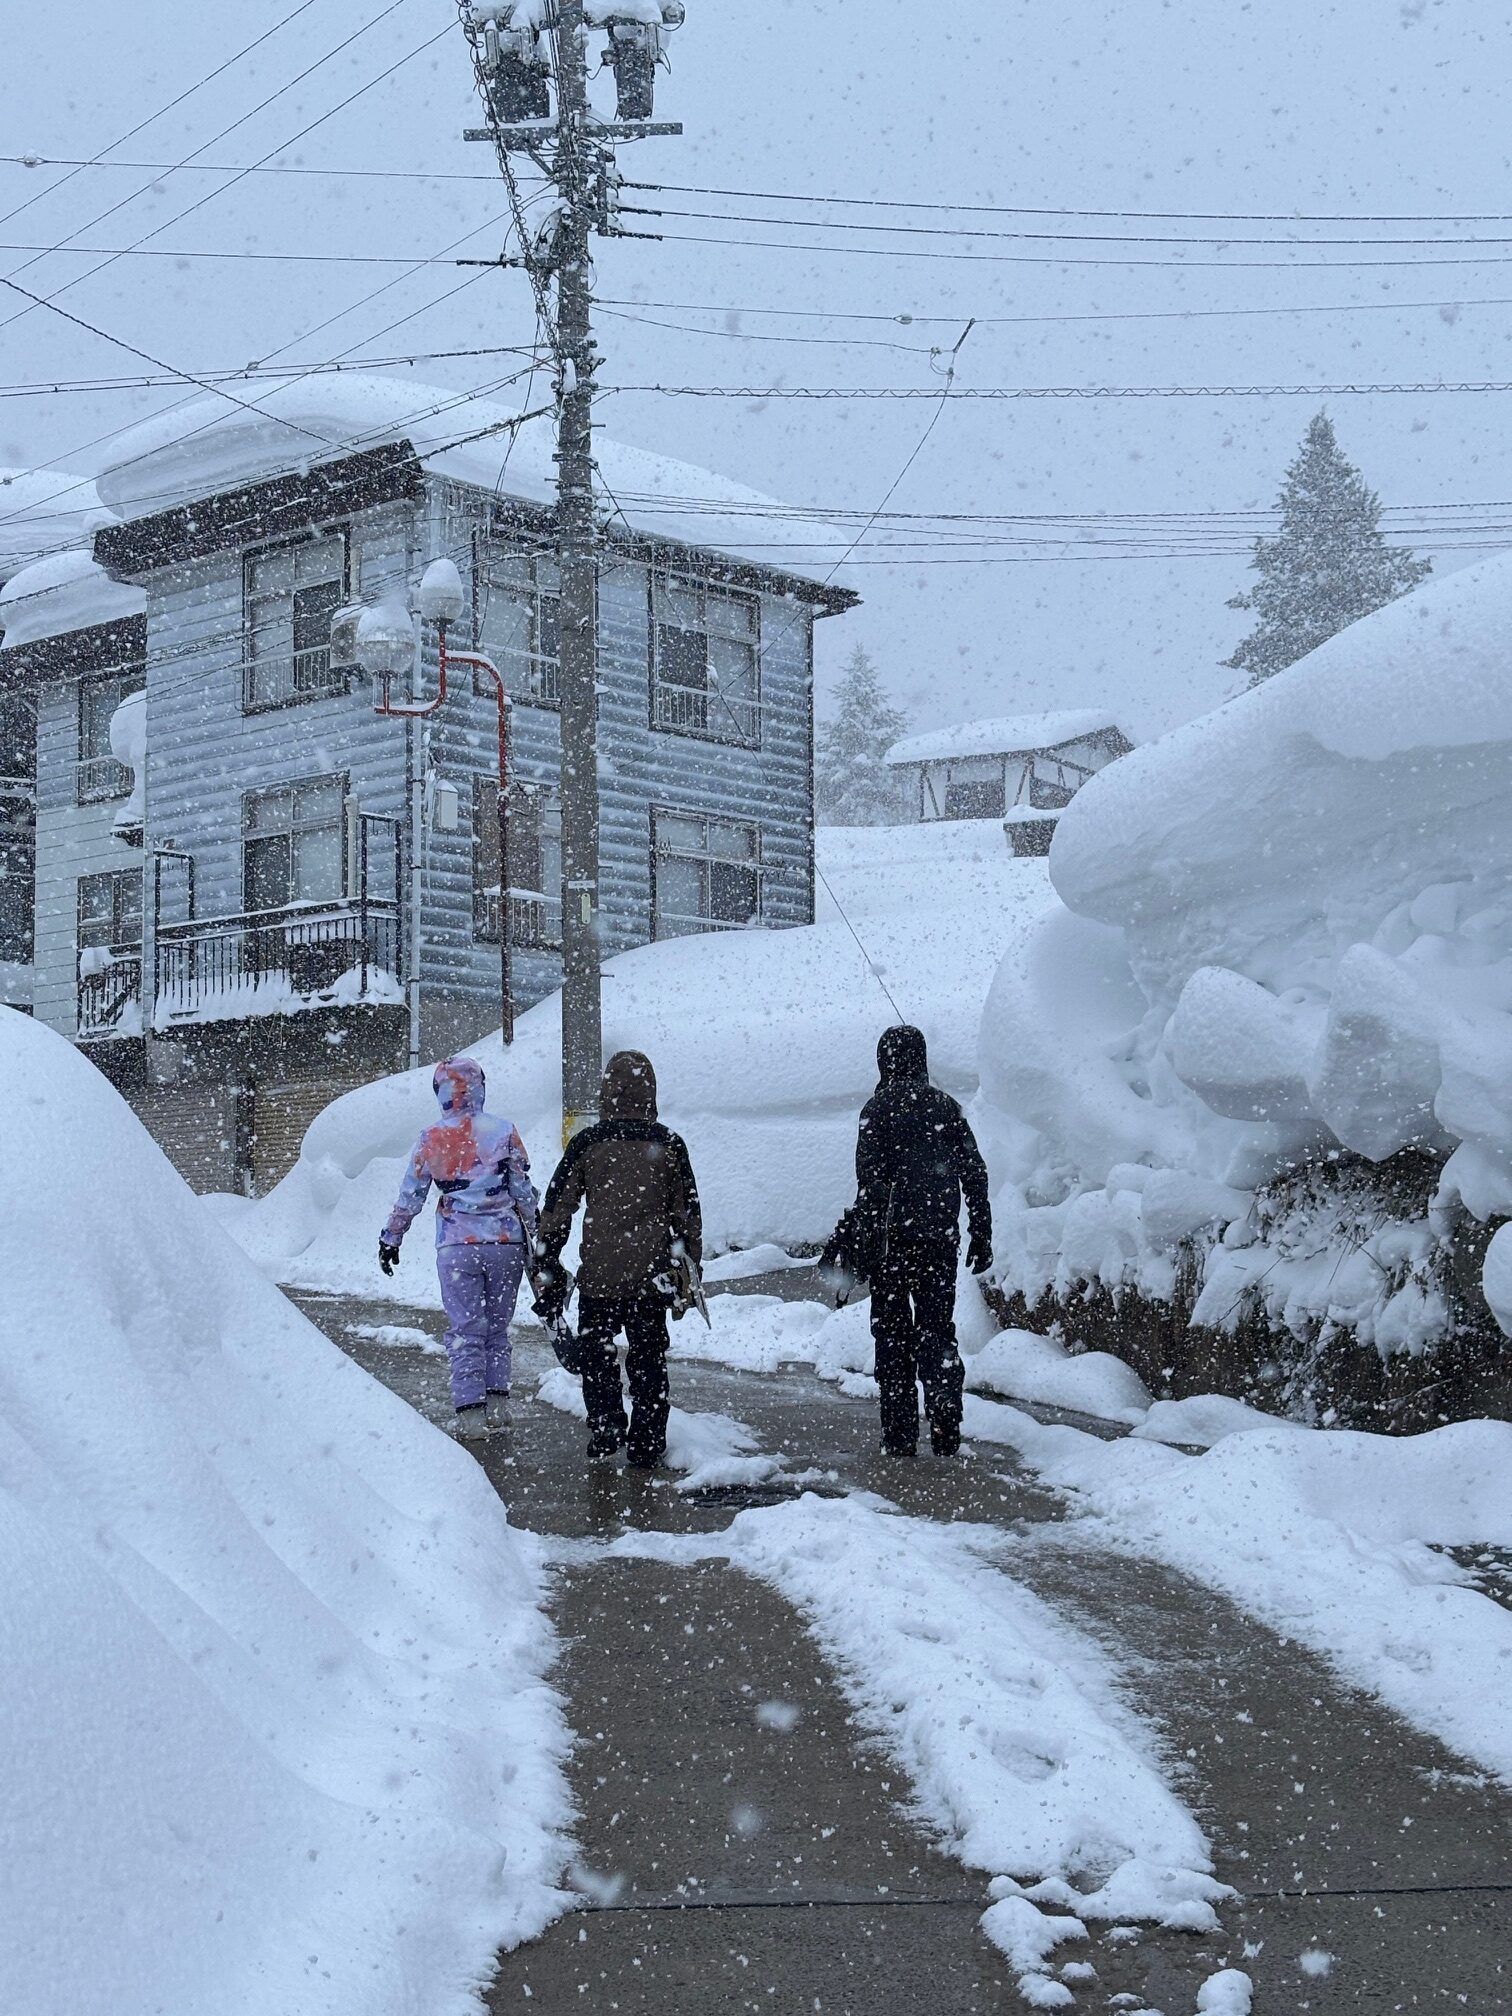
<point>478,1164</point>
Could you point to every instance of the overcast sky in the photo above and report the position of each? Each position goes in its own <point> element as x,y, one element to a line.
<point>1285,107</point>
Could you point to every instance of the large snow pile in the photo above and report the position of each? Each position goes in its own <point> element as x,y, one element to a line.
<point>205,446</point>
<point>1286,935</point>
<point>270,1655</point>
<point>42,510</point>
<point>63,592</point>
<point>764,1044</point>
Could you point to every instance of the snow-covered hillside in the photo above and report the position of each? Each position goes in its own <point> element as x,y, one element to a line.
<point>270,1655</point>
<point>1286,939</point>
<point>764,1044</point>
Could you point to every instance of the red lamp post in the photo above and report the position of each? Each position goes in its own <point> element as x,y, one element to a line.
<point>384,642</point>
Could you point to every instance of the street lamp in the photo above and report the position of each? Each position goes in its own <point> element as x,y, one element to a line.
<point>381,639</point>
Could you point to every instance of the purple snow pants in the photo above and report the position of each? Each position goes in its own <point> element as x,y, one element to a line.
<point>479,1284</point>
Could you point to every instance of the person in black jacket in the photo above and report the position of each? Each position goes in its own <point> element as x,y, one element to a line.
<point>641,1218</point>
<point>915,1156</point>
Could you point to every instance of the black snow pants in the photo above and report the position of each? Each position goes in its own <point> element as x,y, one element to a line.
<point>913,1327</point>
<point>643,1318</point>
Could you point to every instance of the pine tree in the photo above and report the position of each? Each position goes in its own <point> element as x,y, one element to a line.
<point>1329,564</point>
<point>853,784</point>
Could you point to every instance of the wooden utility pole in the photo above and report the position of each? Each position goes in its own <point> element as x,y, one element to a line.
<point>582,1018</point>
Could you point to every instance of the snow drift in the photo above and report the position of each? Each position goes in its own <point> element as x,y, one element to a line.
<point>1287,935</point>
<point>270,1656</point>
<point>764,1044</point>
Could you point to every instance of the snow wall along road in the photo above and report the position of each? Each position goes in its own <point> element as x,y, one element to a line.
<point>270,1655</point>
<point>1261,1060</point>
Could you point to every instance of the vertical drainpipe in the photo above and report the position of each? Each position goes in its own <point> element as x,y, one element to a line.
<point>424,528</point>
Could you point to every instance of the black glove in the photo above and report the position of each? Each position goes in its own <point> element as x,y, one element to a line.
<point>549,1284</point>
<point>388,1256</point>
<point>978,1254</point>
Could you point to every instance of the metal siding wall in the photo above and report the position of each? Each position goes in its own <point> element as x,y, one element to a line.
<point>203,752</point>
<point>639,768</point>
<point>72,840</point>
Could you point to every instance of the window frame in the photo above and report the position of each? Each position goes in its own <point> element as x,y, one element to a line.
<point>99,776</point>
<point>337,678</point>
<point>544,682</point>
<point>544,797</point>
<point>292,785</point>
<point>707,859</point>
<point>661,582</point>
<point>116,943</point>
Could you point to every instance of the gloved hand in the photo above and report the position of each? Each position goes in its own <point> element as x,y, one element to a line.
<point>388,1256</point>
<point>548,1286</point>
<point>978,1254</point>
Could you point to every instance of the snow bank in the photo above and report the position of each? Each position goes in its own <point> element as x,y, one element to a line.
<point>62,593</point>
<point>1287,931</point>
<point>1328,1537</point>
<point>205,446</point>
<point>270,1655</point>
<point>1022,1755</point>
<point>764,1044</point>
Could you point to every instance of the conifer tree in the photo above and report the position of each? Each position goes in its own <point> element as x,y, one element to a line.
<point>1329,564</point>
<point>853,784</point>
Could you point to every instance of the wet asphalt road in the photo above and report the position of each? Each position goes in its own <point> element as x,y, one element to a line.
<point>730,1867</point>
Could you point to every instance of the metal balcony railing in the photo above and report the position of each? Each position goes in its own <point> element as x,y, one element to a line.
<point>98,778</point>
<point>282,682</point>
<point>535,921</point>
<point>265,962</point>
<point>110,996</point>
<point>704,710</point>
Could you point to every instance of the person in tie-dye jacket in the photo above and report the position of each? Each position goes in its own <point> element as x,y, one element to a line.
<point>485,1226</point>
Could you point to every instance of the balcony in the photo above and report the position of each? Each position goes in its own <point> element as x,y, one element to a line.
<point>278,962</point>
<point>286,681</point>
<point>110,993</point>
<point>707,712</point>
<point>535,922</point>
<point>98,779</point>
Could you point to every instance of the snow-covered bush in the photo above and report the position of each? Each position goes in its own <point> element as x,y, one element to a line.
<point>1286,944</point>
<point>270,1655</point>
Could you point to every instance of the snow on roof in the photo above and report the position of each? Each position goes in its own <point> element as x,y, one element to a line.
<point>42,509</point>
<point>1013,735</point>
<point>65,592</point>
<point>206,446</point>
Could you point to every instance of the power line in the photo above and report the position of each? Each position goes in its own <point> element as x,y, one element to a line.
<point>907,320</point>
<point>1025,210</point>
<point>1059,259</point>
<point>1002,392</point>
<point>1038,237</point>
<point>233,168</point>
<point>233,254</point>
<point>277,372</point>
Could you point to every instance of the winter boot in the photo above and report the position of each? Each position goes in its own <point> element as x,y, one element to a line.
<point>945,1438</point>
<point>499,1415</point>
<point>604,1445</point>
<point>472,1423</point>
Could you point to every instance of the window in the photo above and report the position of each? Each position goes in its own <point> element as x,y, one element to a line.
<point>110,911</point>
<point>519,604</point>
<point>704,662</point>
<point>292,844</point>
<point>706,874</point>
<point>535,864</point>
<point>98,775</point>
<point>975,798</point>
<point>291,593</point>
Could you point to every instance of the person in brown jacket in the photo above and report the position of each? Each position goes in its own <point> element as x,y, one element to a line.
<point>641,1217</point>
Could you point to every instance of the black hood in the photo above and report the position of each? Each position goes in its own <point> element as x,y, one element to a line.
<point>629,1088</point>
<point>902,1057</point>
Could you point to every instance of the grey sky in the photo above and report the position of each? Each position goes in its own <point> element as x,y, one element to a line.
<point>1280,108</point>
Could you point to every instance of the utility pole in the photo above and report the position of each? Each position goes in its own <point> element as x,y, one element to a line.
<point>577,626</point>
<point>509,40</point>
